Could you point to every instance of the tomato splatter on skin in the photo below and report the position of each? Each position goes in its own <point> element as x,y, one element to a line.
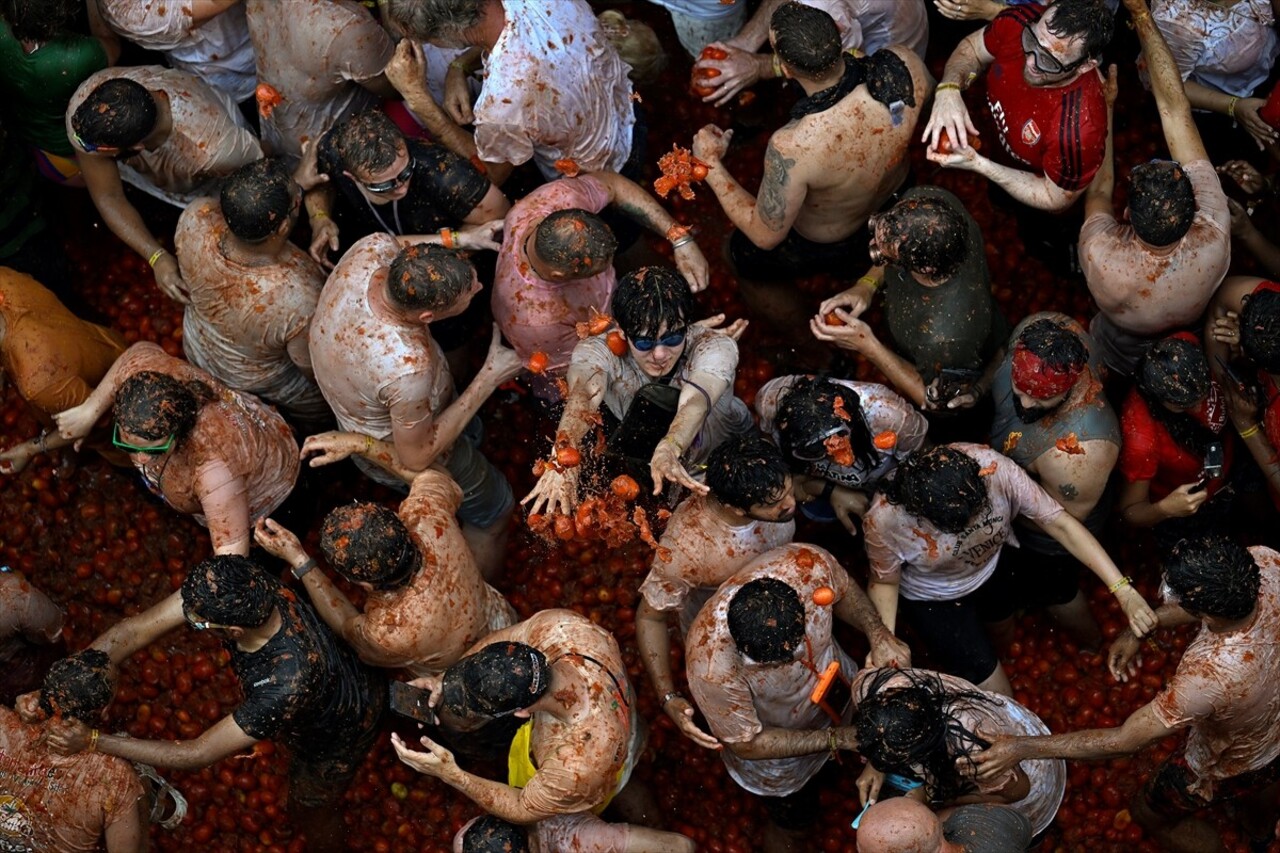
<point>1069,444</point>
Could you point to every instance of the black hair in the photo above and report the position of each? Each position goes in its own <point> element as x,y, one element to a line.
<point>119,113</point>
<point>816,408</point>
<point>1260,329</point>
<point>575,241</point>
<point>490,834</point>
<point>230,590</point>
<point>942,485</point>
<point>766,620</point>
<point>805,38</point>
<point>1175,371</point>
<point>746,471</point>
<point>1213,575</point>
<point>498,680</point>
<point>41,20</point>
<point>427,277</point>
<point>369,142</point>
<point>427,19</point>
<point>650,300</point>
<point>368,543</point>
<point>915,729</point>
<point>1162,203</point>
<point>78,686</point>
<point>1053,343</point>
<point>155,405</point>
<point>256,198</point>
<point>932,237</point>
<point>1087,19</point>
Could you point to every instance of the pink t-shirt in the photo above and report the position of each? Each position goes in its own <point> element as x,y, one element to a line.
<point>242,318</point>
<point>932,565</point>
<point>1048,777</point>
<point>740,698</point>
<point>537,315</point>
<point>1226,690</point>
<point>58,804</point>
<point>704,551</point>
<point>25,613</point>
<point>1150,291</point>
<point>372,368</point>
<point>447,607</point>
<point>314,53</point>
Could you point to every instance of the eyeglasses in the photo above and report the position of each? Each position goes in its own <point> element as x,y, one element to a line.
<point>380,187</point>
<point>154,450</point>
<point>671,339</point>
<point>205,626</point>
<point>1045,62</point>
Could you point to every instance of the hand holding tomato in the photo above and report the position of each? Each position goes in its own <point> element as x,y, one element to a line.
<point>680,711</point>
<point>735,70</point>
<point>1123,658</point>
<point>854,335</point>
<point>711,143</point>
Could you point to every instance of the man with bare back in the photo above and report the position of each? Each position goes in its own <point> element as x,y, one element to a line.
<point>1158,271</point>
<point>838,159</point>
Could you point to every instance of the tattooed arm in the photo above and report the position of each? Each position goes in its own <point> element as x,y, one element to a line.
<point>631,199</point>
<point>766,218</point>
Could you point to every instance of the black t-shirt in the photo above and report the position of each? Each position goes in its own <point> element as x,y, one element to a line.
<point>305,687</point>
<point>443,191</point>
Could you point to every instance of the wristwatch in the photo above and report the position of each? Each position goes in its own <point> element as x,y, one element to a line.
<point>667,697</point>
<point>299,571</point>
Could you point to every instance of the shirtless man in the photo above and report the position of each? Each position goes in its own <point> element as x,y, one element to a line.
<point>748,511</point>
<point>584,832</point>
<point>385,377</point>
<point>425,602</point>
<point>902,823</point>
<point>164,131</point>
<point>566,678</point>
<point>252,291</point>
<point>825,171</point>
<point>1052,418</point>
<point>1157,272</point>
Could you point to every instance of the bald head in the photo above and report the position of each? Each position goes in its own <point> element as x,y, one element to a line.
<point>900,825</point>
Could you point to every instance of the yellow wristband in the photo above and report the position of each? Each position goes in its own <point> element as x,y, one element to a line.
<point>460,66</point>
<point>319,214</point>
<point>673,443</point>
<point>155,256</point>
<point>368,443</point>
<point>93,740</point>
<point>777,66</point>
<point>1119,585</point>
<point>831,739</point>
<point>1231,108</point>
<point>942,86</point>
<point>871,282</point>
<point>1251,431</point>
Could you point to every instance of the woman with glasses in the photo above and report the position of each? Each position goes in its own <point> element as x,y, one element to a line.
<point>205,450</point>
<point>670,389</point>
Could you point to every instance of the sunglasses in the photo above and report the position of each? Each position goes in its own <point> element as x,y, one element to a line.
<point>671,339</point>
<point>1045,62</point>
<point>387,186</point>
<point>154,450</point>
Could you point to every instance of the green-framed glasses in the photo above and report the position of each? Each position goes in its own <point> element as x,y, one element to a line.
<point>154,450</point>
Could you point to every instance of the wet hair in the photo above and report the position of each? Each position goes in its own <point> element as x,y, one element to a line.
<point>746,471</point>
<point>1057,346</point>
<point>155,405</point>
<point>368,142</point>
<point>637,44</point>
<point>916,727</point>
<point>256,198</point>
<point>574,241</point>
<point>932,237</point>
<point>1162,203</point>
<point>427,277</point>
<point>78,686</point>
<point>41,20</point>
<point>496,681</point>
<point>1087,19</point>
<point>1213,575</point>
<point>426,19</point>
<point>491,834</point>
<point>650,300</point>
<point>368,543</point>
<point>1176,372</point>
<point>807,415</point>
<point>119,113</point>
<point>942,485</point>
<point>766,620</point>
<point>230,590</point>
<point>805,38</point>
<point>1260,329</point>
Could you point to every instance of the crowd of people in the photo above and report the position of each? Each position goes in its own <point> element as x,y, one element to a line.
<point>353,176</point>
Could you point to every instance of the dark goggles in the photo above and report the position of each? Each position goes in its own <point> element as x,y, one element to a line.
<point>1045,62</point>
<point>380,187</point>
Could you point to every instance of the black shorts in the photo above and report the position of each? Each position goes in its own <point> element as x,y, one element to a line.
<point>954,634</point>
<point>1026,579</point>
<point>799,257</point>
<point>1167,791</point>
<point>319,773</point>
<point>796,812</point>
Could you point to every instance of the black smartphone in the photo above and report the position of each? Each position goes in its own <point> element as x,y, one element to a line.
<point>412,702</point>
<point>953,381</point>
<point>1214,458</point>
<point>1231,374</point>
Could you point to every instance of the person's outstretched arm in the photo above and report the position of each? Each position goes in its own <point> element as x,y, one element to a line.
<point>1180,131</point>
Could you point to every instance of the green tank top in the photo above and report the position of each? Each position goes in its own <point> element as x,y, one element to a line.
<point>35,88</point>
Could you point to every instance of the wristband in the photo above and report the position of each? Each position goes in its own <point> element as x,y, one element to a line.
<point>1140,17</point>
<point>155,256</point>
<point>461,66</point>
<point>941,86</point>
<point>93,740</point>
<point>685,240</point>
<point>669,695</point>
<point>831,740</point>
<point>1248,433</point>
<point>1231,108</point>
<point>777,66</point>
<point>870,281</point>
<point>1119,585</point>
<point>319,214</point>
<point>368,444</point>
<point>446,237</point>
<point>299,571</point>
<point>673,443</point>
<point>44,433</point>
